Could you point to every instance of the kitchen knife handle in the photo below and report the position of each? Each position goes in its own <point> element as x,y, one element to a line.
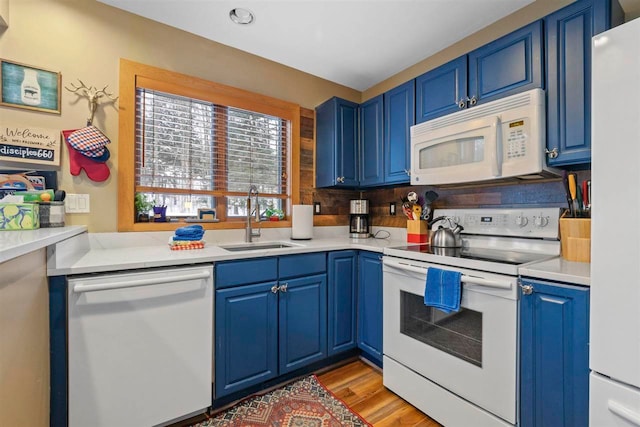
<point>572,186</point>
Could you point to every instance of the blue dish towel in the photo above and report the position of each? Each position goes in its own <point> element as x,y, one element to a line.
<point>443,289</point>
<point>190,232</point>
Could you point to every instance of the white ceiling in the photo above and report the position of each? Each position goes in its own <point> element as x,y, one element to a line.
<point>356,43</point>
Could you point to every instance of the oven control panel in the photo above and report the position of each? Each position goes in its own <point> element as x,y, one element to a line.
<point>528,222</point>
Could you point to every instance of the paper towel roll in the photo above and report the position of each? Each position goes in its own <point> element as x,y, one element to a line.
<point>302,222</point>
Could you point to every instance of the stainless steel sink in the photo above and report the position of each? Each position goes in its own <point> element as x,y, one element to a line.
<point>257,246</point>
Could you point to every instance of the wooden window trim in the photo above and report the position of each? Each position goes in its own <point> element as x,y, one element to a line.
<point>132,73</point>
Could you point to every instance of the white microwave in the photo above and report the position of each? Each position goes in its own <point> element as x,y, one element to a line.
<point>499,139</point>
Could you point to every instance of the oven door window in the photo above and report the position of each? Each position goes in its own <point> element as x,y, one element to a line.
<point>458,333</point>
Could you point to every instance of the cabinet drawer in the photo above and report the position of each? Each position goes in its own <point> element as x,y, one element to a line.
<point>236,273</point>
<point>303,264</point>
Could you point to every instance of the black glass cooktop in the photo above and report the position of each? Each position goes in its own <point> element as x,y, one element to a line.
<point>480,254</point>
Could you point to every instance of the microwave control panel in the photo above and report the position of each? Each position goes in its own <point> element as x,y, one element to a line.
<point>515,138</point>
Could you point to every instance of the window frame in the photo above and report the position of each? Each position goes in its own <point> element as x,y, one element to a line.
<point>132,75</point>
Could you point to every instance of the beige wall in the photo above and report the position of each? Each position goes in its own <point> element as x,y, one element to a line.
<point>84,39</point>
<point>4,13</point>
<point>24,342</point>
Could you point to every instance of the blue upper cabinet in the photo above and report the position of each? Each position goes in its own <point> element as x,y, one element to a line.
<point>371,143</point>
<point>399,116</point>
<point>568,50</point>
<point>439,91</point>
<point>554,355</point>
<point>385,129</point>
<point>337,144</point>
<point>506,66</point>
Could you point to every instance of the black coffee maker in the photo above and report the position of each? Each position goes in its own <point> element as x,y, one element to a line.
<point>359,222</point>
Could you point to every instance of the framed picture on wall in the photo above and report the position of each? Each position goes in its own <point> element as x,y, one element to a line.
<point>29,87</point>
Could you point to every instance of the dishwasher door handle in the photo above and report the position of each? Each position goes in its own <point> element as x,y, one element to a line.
<point>623,412</point>
<point>81,287</point>
<point>469,280</point>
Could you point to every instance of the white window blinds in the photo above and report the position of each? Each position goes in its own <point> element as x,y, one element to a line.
<point>189,149</point>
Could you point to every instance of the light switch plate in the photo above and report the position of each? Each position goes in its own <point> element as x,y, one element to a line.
<point>77,203</point>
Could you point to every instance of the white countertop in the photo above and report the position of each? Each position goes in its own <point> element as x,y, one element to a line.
<point>73,251</point>
<point>559,270</point>
<point>15,243</point>
<point>104,252</point>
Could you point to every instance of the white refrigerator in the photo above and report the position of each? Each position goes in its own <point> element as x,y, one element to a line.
<point>615,247</point>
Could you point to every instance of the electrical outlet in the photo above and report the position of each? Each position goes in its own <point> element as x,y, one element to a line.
<point>316,208</point>
<point>77,203</point>
<point>392,208</point>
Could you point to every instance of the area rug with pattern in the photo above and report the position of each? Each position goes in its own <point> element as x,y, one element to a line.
<point>303,403</point>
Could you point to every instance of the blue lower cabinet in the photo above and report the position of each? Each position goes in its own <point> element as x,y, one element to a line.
<point>342,284</point>
<point>246,345</point>
<point>268,329</point>
<point>370,305</point>
<point>303,321</point>
<point>554,355</point>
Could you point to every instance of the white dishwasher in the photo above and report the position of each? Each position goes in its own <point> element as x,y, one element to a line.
<point>140,346</point>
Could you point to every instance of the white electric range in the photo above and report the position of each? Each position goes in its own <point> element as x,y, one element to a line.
<point>460,368</point>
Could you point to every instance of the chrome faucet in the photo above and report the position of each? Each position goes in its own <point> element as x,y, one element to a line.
<point>250,232</point>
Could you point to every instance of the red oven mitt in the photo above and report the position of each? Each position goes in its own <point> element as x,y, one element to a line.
<point>95,170</point>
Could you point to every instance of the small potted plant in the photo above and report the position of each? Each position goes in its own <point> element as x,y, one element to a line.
<point>143,206</point>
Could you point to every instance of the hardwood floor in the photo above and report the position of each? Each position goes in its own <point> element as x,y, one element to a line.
<point>360,386</point>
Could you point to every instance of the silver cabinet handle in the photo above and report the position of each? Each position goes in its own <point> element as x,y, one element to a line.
<point>408,172</point>
<point>274,289</point>
<point>551,154</point>
<point>472,101</point>
<point>283,288</point>
<point>462,103</point>
<point>340,179</point>
<point>526,289</point>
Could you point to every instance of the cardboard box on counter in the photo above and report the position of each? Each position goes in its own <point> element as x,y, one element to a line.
<point>19,216</point>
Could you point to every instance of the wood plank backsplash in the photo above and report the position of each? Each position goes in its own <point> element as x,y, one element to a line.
<point>335,202</point>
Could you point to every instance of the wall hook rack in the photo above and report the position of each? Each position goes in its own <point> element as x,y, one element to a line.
<point>92,94</point>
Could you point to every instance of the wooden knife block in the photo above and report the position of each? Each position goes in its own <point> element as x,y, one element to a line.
<point>575,239</point>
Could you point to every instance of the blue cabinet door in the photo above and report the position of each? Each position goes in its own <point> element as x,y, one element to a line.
<point>554,355</point>
<point>439,91</point>
<point>342,285</point>
<point>399,116</point>
<point>336,143</point>
<point>568,50</point>
<point>246,331</point>
<point>302,322</point>
<point>507,66</point>
<point>370,305</point>
<point>371,139</point>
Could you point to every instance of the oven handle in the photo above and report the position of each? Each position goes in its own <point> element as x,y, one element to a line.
<point>469,280</point>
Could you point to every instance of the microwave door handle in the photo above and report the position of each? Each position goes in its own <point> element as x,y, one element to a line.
<point>494,151</point>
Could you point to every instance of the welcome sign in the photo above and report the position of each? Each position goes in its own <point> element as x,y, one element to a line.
<point>26,144</point>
